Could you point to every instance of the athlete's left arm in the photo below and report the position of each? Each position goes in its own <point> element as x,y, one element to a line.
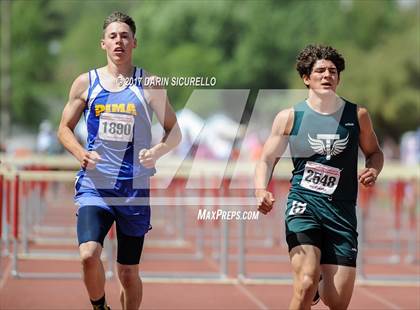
<point>158,100</point>
<point>368,142</point>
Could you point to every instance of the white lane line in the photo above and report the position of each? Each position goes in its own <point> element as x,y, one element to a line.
<point>252,297</point>
<point>378,298</point>
<point>6,273</point>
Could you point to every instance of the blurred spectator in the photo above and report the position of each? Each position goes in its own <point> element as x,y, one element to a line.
<point>410,147</point>
<point>45,137</point>
<point>47,142</point>
<point>390,149</point>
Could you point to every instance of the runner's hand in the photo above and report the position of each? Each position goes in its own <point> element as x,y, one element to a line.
<point>89,160</point>
<point>147,158</point>
<point>265,201</point>
<point>368,176</point>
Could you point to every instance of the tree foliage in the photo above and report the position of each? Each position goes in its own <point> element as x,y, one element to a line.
<point>33,24</point>
<point>244,44</point>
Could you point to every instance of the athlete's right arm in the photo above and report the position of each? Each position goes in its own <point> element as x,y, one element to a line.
<point>71,116</point>
<point>273,149</point>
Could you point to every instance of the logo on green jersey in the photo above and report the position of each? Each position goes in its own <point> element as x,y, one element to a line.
<point>328,144</point>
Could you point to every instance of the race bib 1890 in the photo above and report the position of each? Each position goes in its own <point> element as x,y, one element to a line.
<point>116,127</point>
<point>320,178</point>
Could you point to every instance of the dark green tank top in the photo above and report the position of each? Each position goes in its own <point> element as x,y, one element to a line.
<point>324,150</point>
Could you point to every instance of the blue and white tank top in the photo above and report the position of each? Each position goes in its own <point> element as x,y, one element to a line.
<point>119,126</point>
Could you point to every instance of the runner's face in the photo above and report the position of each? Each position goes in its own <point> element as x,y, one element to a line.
<point>118,42</point>
<point>323,78</point>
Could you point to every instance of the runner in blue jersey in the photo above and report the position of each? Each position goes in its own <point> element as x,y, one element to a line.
<point>323,133</point>
<point>113,183</point>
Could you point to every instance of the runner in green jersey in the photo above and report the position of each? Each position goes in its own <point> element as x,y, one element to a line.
<point>324,133</point>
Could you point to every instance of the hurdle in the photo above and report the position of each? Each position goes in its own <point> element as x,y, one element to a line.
<point>202,186</point>
<point>32,207</point>
<point>411,196</point>
<point>395,195</point>
<point>174,201</point>
<point>2,215</point>
<point>21,189</point>
<point>22,204</point>
<point>256,237</point>
<point>6,213</point>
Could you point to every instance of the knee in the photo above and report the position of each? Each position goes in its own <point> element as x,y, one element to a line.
<point>128,276</point>
<point>308,282</point>
<point>89,257</point>
<point>306,286</point>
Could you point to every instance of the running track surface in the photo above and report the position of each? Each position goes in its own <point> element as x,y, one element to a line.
<point>71,294</point>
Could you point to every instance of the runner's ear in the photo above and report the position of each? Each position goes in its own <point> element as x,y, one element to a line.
<point>102,44</point>
<point>305,79</point>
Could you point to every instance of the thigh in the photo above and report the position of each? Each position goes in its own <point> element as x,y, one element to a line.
<point>133,220</point>
<point>305,258</point>
<point>301,221</point>
<point>336,287</point>
<point>93,223</point>
<point>129,248</point>
<point>339,234</point>
<point>300,215</point>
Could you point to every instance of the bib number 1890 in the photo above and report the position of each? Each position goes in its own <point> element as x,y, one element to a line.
<point>116,127</point>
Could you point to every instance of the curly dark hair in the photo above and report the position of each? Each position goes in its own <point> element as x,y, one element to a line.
<point>122,18</point>
<point>311,53</point>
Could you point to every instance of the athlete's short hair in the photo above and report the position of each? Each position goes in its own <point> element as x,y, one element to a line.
<point>122,18</point>
<point>311,53</point>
